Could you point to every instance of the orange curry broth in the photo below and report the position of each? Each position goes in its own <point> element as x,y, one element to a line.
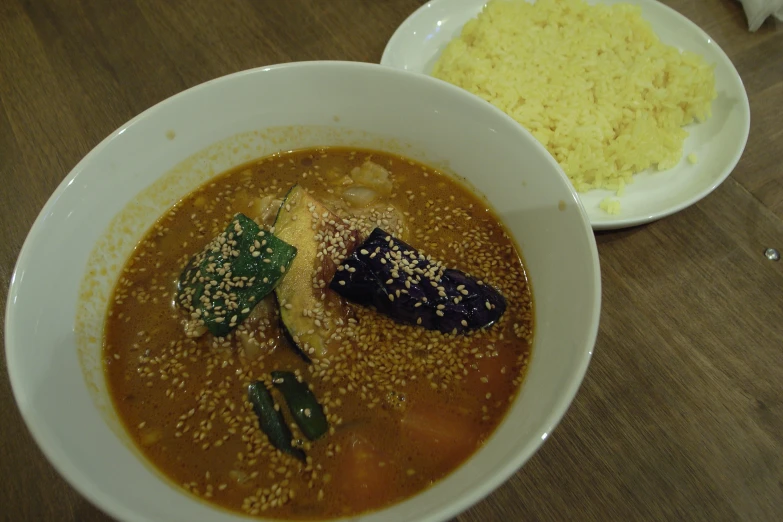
<point>405,405</point>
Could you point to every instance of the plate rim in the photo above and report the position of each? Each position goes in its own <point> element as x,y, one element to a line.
<point>631,221</point>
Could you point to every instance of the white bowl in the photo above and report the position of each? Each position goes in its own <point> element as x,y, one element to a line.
<point>90,224</point>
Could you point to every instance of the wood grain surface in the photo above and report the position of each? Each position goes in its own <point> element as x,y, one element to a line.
<point>680,416</point>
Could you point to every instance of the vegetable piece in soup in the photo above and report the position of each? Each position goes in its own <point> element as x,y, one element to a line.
<point>314,403</point>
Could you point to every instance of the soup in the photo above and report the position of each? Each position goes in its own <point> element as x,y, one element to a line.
<point>318,334</point>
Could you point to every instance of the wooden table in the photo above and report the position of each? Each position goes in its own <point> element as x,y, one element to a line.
<point>679,417</point>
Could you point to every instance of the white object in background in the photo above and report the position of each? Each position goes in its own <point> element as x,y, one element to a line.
<point>758,11</point>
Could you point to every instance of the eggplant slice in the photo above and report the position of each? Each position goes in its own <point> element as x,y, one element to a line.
<point>403,284</point>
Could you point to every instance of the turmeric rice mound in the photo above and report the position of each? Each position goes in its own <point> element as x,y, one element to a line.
<point>593,84</point>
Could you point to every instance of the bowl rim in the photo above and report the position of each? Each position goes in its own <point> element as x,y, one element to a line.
<point>80,481</point>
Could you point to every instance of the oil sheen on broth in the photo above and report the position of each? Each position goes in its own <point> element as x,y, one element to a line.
<point>405,405</point>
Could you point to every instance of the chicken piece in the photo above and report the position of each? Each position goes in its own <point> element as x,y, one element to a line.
<point>373,176</point>
<point>264,210</point>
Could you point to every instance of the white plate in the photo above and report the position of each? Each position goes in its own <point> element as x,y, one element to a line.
<point>718,142</point>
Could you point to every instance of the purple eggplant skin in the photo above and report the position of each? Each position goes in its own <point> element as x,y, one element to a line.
<point>397,280</point>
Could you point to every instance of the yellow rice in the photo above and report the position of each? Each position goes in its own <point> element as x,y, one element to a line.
<point>593,84</point>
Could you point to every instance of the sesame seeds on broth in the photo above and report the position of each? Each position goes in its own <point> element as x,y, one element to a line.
<point>404,405</point>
